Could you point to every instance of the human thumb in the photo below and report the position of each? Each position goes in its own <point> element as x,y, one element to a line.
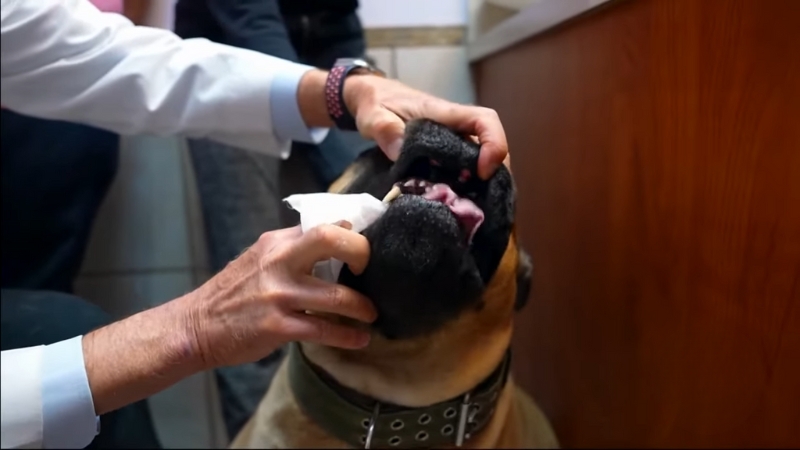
<point>386,129</point>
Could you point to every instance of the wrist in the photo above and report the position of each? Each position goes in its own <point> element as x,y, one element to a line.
<point>356,87</point>
<point>311,99</point>
<point>143,354</point>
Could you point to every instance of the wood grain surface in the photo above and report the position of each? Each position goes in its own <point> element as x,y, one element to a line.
<point>656,147</point>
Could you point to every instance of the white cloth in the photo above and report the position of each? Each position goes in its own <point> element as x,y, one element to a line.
<point>361,210</point>
<point>64,59</point>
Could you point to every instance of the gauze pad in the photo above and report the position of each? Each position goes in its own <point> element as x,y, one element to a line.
<point>321,208</point>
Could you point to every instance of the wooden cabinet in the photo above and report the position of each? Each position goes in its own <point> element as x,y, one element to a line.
<point>656,147</point>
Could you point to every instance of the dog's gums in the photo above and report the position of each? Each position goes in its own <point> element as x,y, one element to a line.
<point>468,214</point>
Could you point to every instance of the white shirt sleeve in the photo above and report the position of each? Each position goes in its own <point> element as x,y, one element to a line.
<point>21,418</point>
<point>68,417</point>
<point>46,399</point>
<point>67,60</point>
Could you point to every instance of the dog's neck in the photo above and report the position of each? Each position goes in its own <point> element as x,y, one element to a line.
<point>436,367</point>
<point>413,374</point>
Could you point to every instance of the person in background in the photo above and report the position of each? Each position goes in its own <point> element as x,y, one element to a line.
<point>240,191</point>
<point>55,175</point>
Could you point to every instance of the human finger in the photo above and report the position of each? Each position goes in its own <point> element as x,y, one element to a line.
<point>323,297</point>
<point>308,328</point>
<point>330,241</point>
<point>384,127</point>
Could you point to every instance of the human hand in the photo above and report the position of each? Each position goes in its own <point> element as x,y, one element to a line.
<point>259,301</point>
<point>382,106</point>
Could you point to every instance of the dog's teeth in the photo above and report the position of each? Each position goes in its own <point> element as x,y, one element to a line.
<point>409,183</point>
<point>393,194</point>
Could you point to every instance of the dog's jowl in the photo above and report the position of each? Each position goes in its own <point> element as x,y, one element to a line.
<point>446,276</point>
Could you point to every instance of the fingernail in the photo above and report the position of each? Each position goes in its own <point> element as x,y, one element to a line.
<point>487,173</point>
<point>393,149</point>
<point>344,224</point>
<point>363,341</point>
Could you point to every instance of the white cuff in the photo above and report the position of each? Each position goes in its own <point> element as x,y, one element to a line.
<point>67,405</point>
<point>287,122</point>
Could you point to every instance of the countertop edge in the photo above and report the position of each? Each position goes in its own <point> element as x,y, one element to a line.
<point>534,19</point>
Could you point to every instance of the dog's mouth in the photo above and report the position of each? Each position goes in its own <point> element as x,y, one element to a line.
<point>442,236</point>
<point>467,213</point>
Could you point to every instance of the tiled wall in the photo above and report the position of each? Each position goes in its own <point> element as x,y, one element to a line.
<point>147,246</point>
<point>439,69</point>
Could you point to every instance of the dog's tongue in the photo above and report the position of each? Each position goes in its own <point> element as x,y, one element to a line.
<point>467,212</point>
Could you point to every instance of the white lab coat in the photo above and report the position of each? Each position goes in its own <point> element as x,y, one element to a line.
<point>64,59</point>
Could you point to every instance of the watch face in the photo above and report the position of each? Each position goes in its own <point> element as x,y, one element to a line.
<point>361,65</point>
<point>352,62</point>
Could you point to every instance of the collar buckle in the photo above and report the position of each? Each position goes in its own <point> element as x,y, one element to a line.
<point>372,420</point>
<point>466,418</point>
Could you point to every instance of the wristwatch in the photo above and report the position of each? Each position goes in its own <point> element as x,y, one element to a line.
<point>334,89</point>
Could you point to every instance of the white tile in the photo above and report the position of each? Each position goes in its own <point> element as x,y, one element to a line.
<point>123,295</point>
<point>412,13</point>
<point>142,224</point>
<point>384,60</point>
<point>440,70</point>
<point>198,248</point>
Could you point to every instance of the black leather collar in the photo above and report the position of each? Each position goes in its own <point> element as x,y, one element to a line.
<point>363,422</point>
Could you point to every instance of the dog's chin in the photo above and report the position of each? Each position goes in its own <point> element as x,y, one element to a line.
<point>421,270</point>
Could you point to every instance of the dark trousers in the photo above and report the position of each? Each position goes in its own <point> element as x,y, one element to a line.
<point>31,318</point>
<point>54,177</point>
<point>241,191</point>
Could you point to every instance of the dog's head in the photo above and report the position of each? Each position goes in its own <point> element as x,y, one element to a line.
<point>440,245</point>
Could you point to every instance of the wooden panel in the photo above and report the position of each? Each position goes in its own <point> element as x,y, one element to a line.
<point>656,144</point>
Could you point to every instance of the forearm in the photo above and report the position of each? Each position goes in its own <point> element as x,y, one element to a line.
<point>311,99</point>
<point>139,356</point>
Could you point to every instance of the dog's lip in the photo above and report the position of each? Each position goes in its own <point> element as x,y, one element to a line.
<point>467,213</point>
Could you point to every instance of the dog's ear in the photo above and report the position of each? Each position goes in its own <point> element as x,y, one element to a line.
<point>524,273</point>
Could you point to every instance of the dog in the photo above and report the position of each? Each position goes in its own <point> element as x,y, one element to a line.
<point>446,275</point>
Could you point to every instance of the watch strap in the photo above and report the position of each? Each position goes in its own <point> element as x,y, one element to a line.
<point>334,97</point>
